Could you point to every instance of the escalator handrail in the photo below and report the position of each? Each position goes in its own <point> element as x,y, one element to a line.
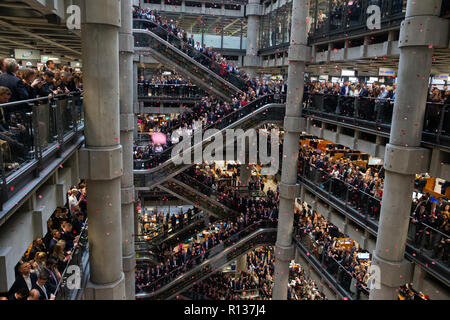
<point>251,104</point>
<point>207,261</point>
<point>259,222</point>
<point>187,57</point>
<point>204,56</point>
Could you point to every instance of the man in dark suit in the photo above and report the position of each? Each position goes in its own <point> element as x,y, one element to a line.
<point>25,279</point>
<point>53,276</point>
<point>48,87</point>
<point>345,89</point>
<point>12,82</point>
<point>67,236</point>
<point>191,41</point>
<point>41,286</point>
<point>77,223</point>
<point>55,237</point>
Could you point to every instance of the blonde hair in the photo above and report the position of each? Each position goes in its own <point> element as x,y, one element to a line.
<point>40,257</point>
<point>58,249</point>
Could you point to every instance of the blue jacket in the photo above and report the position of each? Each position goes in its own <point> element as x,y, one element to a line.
<point>342,91</point>
<point>17,87</point>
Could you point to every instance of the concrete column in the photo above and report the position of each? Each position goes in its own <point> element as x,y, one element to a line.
<point>418,276</point>
<point>241,263</point>
<point>252,60</point>
<point>404,157</point>
<point>245,174</point>
<point>127,121</point>
<point>293,125</point>
<point>101,159</point>
<point>135,97</point>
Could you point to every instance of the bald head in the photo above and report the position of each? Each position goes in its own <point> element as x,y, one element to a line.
<point>34,295</point>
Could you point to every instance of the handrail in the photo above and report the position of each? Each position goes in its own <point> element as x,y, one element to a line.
<point>360,215</point>
<point>209,260</point>
<point>207,253</point>
<point>195,219</point>
<point>169,34</point>
<point>185,64</point>
<point>52,97</point>
<point>42,130</point>
<point>375,114</point>
<point>236,114</point>
<point>74,249</point>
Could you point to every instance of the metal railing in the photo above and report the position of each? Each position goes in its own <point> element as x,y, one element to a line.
<point>424,243</point>
<point>375,114</point>
<point>197,55</point>
<point>182,278</point>
<point>343,280</point>
<point>174,91</point>
<point>71,281</point>
<point>156,159</point>
<point>33,131</point>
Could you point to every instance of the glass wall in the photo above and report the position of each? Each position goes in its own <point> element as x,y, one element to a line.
<point>275,26</point>
<point>326,18</point>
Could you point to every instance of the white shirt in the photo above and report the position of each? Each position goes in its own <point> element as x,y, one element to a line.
<point>72,202</point>
<point>43,289</point>
<point>28,282</point>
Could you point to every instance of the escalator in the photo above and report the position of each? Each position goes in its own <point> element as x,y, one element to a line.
<point>192,196</point>
<point>179,235</point>
<point>260,111</point>
<point>260,233</point>
<point>166,48</point>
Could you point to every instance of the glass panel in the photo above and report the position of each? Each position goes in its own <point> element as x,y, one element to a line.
<point>179,279</point>
<point>143,40</point>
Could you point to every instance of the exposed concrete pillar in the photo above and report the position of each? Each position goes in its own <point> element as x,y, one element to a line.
<point>418,276</point>
<point>245,174</point>
<point>251,59</point>
<point>127,121</point>
<point>293,126</point>
<point>404,157</point>
<point>101,159</point>
<point>241,263</point>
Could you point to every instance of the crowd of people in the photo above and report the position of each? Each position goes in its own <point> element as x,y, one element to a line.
<point>365,184</point>
<point>208,111</point>
<point>376,101</point>
<point>18,83</point>
<point>429,216</point>
<point>225,68</point>
<point>302,287</point>
<point>160,85</point>
<point>172,221</point>
<point>32,82</point>
<point>341,261</point>
<point>254,283</point>
<point>40,271</point>
<point>177,259</point>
